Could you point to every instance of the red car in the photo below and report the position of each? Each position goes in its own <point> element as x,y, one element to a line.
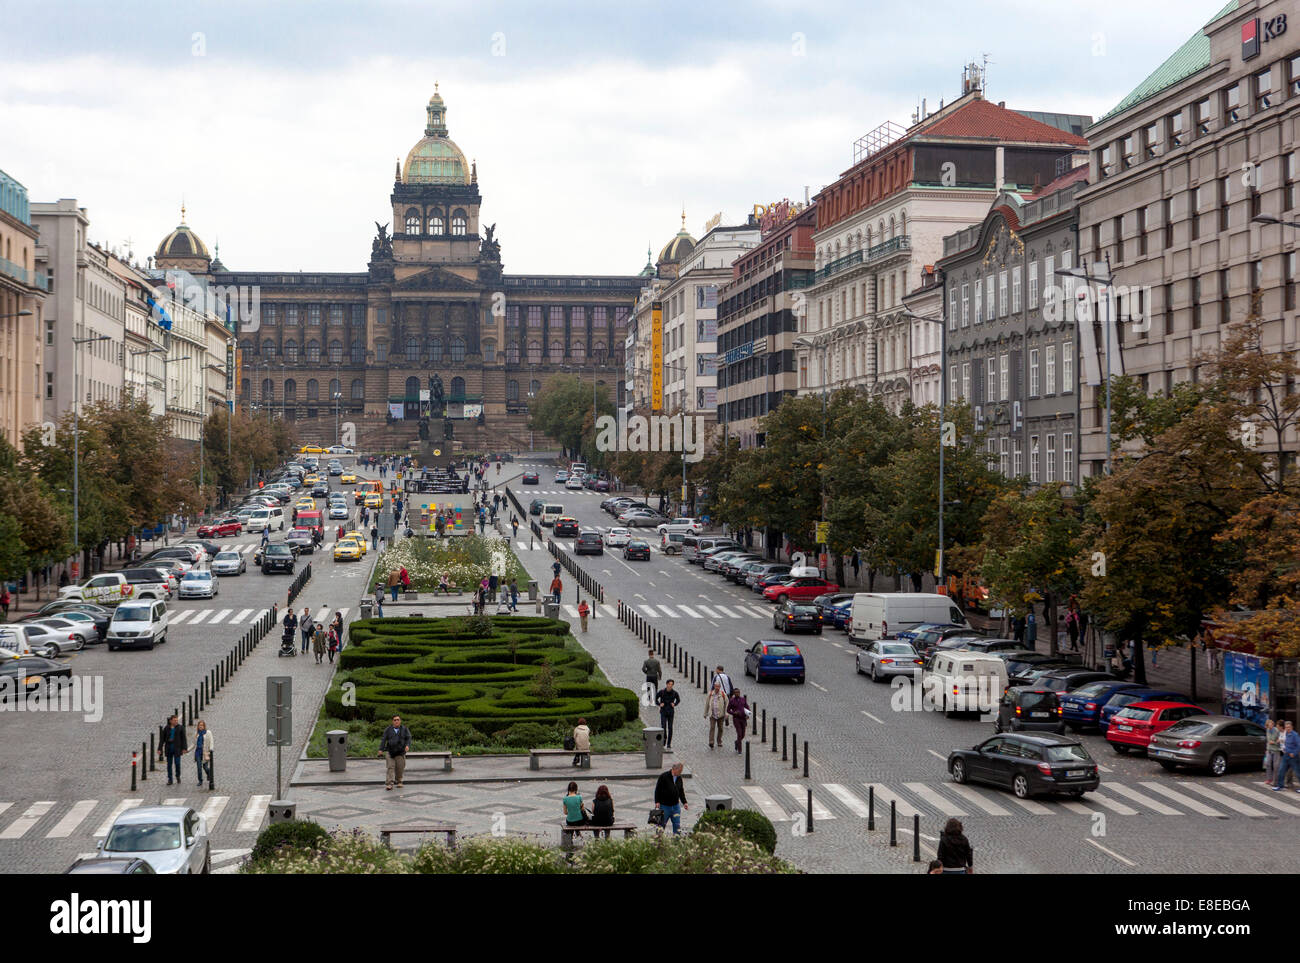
<point>800,590</point>
<point>1134,725</point>
<point>221,528</point>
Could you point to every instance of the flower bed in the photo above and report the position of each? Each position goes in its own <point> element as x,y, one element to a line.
<point>466,559</point>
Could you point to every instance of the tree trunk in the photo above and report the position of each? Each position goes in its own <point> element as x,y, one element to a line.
<point>1191,650</point>
<point>839,569</point>
<point>1049,615</point>
<point>916,582</point>
<point>1139,663</point>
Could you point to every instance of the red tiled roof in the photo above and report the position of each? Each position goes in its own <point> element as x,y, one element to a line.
<point>1074,176</point>
<point>981,119</point>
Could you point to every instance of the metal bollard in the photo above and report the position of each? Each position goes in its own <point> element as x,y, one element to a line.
<point>144,770</point>
<point>747,775</point>
<point>774,733</point>
<point>893,824</point>
<point>871,808</point>
<point>916,837</point>
<point>794,749</point>
<point>153,765</point>
<point>810,813</point>
<point>764,739</point>
<point>212,768</point>
<point>805,758</point>
<point>785,746</point>
<point>133,768</point>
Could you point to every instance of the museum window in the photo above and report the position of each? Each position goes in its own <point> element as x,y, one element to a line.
<point>458,349</point>
<point>358,390</point>
<point>268,348</point>
<point>435,350</point>
<point>290,390</point>
<point>381,352</point>
<point>578,352</point>
<point>534,352</point>
<point>458,223</point>
<point>313,389</point>
<point>412,221</point>
<point>336,352</point>
<point>557,352</point>
<point>534,388</point>
<point>458,389</point>
<point>412,349</point>
<point>512,352</point>
<point>291,350</point>
<point>489,351</point>
<point>359,315</point>
<point>291,315</point>
<point>512,391</point>
<point>313,352</point>
<point>313,315</point>
<point>534,315</point>
<point>357,353</point>
<point>436,224</point>
<point>334,387</point>
<point>268,314</point>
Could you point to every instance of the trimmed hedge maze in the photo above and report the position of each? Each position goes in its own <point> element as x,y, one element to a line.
<point>444,674</point>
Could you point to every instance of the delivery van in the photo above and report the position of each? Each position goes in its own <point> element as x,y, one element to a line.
<point>878,615</point>
<point>551,513</point>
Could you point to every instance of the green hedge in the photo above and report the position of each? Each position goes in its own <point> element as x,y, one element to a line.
<point>748,823</point>
<point>439,673</point>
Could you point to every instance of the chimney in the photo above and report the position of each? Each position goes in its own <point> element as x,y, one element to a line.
<point>1002,104</point>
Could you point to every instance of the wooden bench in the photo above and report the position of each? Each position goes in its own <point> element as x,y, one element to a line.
<point>445,756</point>
<point>567,832</point>
<point>447,829</point>
<point>534,757</point>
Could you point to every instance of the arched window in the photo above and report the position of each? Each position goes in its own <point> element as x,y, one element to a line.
<point>246,347</point>
<point>268,348</point>
<point>534,352</point>
<point>313,352</point>
<point>534,388</point>
<point>880,230</point>
<point>458,388</point>
<point>435,350</point>
<point>512,352</point>
<point>412,221</point>
<point>892,233</point>
<point>291,350</point>
<point>412,349</point>
<point>902,229</point>
<point>244,388</point>
<point>599,352</point>
<point>268,389</point>
<point>412,388</point>
<point>578,352</point>
<point>358,352</point>
<point>435,222</point>
<point>557,352</point>
<point>358,390</point>
<point>867,239</point>
<point>457,349</point>
<point>512,391</point>
<point>489,351</point>
<point>458,223</point>
<point>334,387</point>
<point>290,390</point>
<point>336,352</point>
<point>313,389</point>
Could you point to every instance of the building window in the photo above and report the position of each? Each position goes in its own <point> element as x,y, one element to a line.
<point>1225,195</point>
<point>1002,294</point>
<point>1288,280</point>
<point>290,390</point>
<point>965,380</point>
<point>458,224</point>
<point>1067,367</point>
<point>1151,140</point>
<point>1231,104</point>
<point>965,303</point>
<point>435,350</point>
<point>1256,276</point>
<point>457,349</point>
<point>512,390</point>
<point>357,353</point>
<point>268,314</point>
<point>359,315</point>
<point>358,390</point>
<point>954,376</point>
<point>313,389</point>
<point>489,351</point>
<point>1167,216</point>
<point>1018,458</point>
<point>1225,300</point>
<point>1142,230</point>
<point>313,314</point>
<point>1174,124</point>
<point>1107,162</point>
<point>381,352</point>
<point>336,314</point>
<point>1004,463</point>
<point>1264,89</point>
<point>534,315</point>
<point>1015,290</point>
<point>1033,284</point>
<point>990,305</point>
<point>557,352</point>
<point>291,316</point>
<point>990,392</point>
<point>512,352</point>
<point>268,348</point>
<point>1049,370</point>
<point>1033,372</point>
<point>1117,231</point>
<point>1204,110</point>
<point>412,221</point>
<point>313,352</point>
<point>534,352</point>
<point>952,308</point>
<point>1196,303</point>
<point>49,385</point>
<point>1289,186</point>
<point>1067,457</point>
<point>291,350</point>
<point>1033,459</point>
<point>336,352</point>
<point>1194,212</point>
<point>436,224</point>
<point>1049,460</point>
<point>1128,151</point>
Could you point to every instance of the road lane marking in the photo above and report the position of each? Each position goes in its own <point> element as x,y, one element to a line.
<point>870,716</point>
<point>240,616</point>
<point>901,806</point>
<point>1038,809</point>
<point>688,610</point>
<point>851,802</point>
<point>934,799</point>
<point>1111,852</point>
<point>1225,800</point>
<point>708,612</point>
<point>1075,806</point>
<point>1192,804</point>
<point>766,804</point>
<point>800,795</point>
<point>1142,799</point>
<point>178,618</point>
<point>975,798</point>
<point>220,616</point>
<point>727,612</point>
<point>816,686</point>
<point>116,811</point>
<point>200,616</point>
<point>649,611</point>
<point>34,813</point>
<point>72,819</point>
<point>937,755</point>
<point>253,815</point>
<point>174,802</point>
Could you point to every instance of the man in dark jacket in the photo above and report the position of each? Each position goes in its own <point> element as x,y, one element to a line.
<point>667,700</point>
<point>670,796</point>
<point>393,744</point>
<point>653,672</point>
<point>174,746</point>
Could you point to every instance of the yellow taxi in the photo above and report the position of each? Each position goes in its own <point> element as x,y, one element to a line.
<point>311,450</point>
<point>355,537</point>
<point>347,478</point>
<point>348,550</point>
<point>305,505</point>
<point>310,480</point>
<point>374,500</point>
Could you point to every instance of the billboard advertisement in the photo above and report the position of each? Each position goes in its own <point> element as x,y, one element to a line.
<point>1246,693</point>
<point>657,356</point>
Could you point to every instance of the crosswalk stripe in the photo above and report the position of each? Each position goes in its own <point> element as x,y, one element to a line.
<point>934,799</point>
<point>4,806</point>
<point>254,813</point>
<point>708,612</point>
<point>220,616</point>
<point>766,804</point>
<point>1038,809</point>
<point>571,611</point>
<point>689,611</point>
<point>649,610</point>
<point>901,805</point>
<point>246,549</point>
<point>1225,800</point>
<point>200,616</point>
<point>727,612</point>
<point>239,617</point>
<point>180,617</point>
<point>116,811</point>
<point>1113,805</point>
<point>1265,798</point>
<point>343,612</point>
<point>34,813</point>
<point>72,819</point>
<point>1193,804</point>
<point>850,801</point>
<point>977,799</point>
<point>1074,806</point>
<point>174,802</point>
<point>1142,799</point>
<point>800,795</point>
<point>213,809</point>
<point>667,610</point>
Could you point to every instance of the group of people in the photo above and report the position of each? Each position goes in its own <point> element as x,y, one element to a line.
<point>724,705</point>
<point>669,798</point>
<point>323,640</point>
<point>173,746</point>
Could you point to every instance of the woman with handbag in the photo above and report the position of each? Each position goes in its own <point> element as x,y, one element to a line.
<point>574,812</point>
<point>581,741</point>
<point>738,709</point>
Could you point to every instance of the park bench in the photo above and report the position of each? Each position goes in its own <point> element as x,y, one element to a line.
<point>535,757</point>
<point>567,832</point>
<point>447,829</point>
<point>444,755</point>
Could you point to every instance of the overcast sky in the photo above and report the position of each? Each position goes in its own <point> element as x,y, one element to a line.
<point>592,123</point>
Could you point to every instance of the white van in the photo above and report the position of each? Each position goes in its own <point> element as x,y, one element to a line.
<point>550,513</point>
<point>262,517</point>
<point>965,682</point>
<point>140,623</point>
<point>878,615</point>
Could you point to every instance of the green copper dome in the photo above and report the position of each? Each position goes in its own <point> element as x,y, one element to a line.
<point>435,159</point>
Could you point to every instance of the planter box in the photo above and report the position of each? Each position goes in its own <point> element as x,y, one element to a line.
<point>411,596</point>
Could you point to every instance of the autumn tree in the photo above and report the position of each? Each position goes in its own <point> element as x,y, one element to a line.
<point>1264,565</point>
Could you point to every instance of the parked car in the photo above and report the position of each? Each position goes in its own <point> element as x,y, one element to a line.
<point>221,528</point>
<point>793,616</point>
<point>765,569</point>
<point>641,518</point>
<point>764,582</point>
<point>43,640</point>
<point>1081,708</point>
<point>617,537</point>
<point>96,621</point>
<point>599,485</point>
<point>880,615</point>
<point>839,615</point>
<point>171,839</point>
<point>1030,674</point>
<point>1029,764</point>
<point>142,623</point>
<point>773,659</point>
<point>928,639</point>
<point>1212,743</point>
<point>109,866</point>
<point>800,588</point>
<point>589,543</point>
<point>1141,694</point>
<point>574,482</point>
<point>79,634</point>
<point>686,525</point>
<point>32,673</point>
<point>228,563</point>
<point>989,646</point>
<point>1067,680</point>
<point>561,476</point>
<point>1133,726</point>
<point>887,657</point>
<point>637,549</point>
<point>1029,708</point>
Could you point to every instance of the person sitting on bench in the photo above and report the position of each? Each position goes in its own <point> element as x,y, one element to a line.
<point>574,813</point>
<point>444,585</point>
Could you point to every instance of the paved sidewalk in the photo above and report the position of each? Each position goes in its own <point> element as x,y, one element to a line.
<point>371,770</point>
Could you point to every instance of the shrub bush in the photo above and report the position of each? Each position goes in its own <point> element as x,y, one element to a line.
<point>340,853</point>
<point>747,823</point>
<point>489,855</point>
<point>298,834</point>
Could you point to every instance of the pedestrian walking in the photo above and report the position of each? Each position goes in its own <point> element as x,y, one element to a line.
<point>266,535</point>
<point>173,746</point>
<point>555,569</point>
<point>715,711</point>
<point>379,599</point>
<point>666,699</point>
<point>1072,623</point>
<point>202,752</point>
<point>393,744</point>
<point>318,643</point>
<point>374,541</point>
<point>583,612</point>
<point>1272,751</point>
<point>1290,756</point>
<point>5,600</point>
<point>670,796</point>
<point>652,671</point>
<point>575,814</point>
<point>557,589</point>
<point>1018,629</point>
<point>290,628</point>
<point>738,709</point>
<point>581,741</point>
<point>720,675</point>
<point>305,626</point>
<point>954,849</point>
<point>334,641</point>
<point>514,595</point>
<point>394,580</point>
<point>514,526</point>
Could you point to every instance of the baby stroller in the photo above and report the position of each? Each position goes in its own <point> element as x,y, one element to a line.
<point>287,646</point>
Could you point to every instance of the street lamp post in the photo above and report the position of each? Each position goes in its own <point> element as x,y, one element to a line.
<point>1107,281</point>
<point>337,395</point>
<point>76,448</point>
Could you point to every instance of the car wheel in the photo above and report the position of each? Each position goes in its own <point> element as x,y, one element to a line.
<point>151,645</point>
<point>875,672</point>
<point>758,675</point>
<point>1075,794</point>
<point>1121,749</point>
<point>818,631</point>
<point>959,771</point>
<point>1218,764</point>
<point>112,648</point>
<point>207,862</point>
<point>801,680</point>
<point>1169,766</point>
<point>1020,786</point>
<point>857,666</point>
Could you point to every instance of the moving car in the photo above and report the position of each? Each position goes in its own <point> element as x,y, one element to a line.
<point>305,504</point>
<point>278,557</point>
<point>1133,726</point>
<point>575,481</point>
<point>138,624</point>
<point>198,585</point>
<point>800,588</point>
<point>530,478</point>
<point>637,549</point>
<point>311,450</point>
<point>228,563</point>
<point>374,500</point>
<point>301,540</point>
<point>171,839</point>
<point>561,476</point>
<point>221,528</point>
<point>774,659</point>
<point>965,681</point>
<point>535,506</point>
<point>1029,708</point>
<point>1028,764</point>
<point>347,550</point>
<point>877,614</point>
<point>884,658</point>
<point>566,526</point>
<point>589,543</point>
<point>320,489</point>
<point>793,616</point>
<point>550,513</point>
<point>359,538</point>
<point>348,478</point>
<point>339,510</point>
<point>339,450</point>
<point>616,537</point>
<point>686,525</point>
<point>1213,743</point>
<point>1081,708</point>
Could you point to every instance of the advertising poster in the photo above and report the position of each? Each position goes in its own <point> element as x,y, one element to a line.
<point>1246,692</point>
<point>395,410</point>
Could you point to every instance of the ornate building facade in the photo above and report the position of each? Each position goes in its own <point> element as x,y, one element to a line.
<point>434,302</point>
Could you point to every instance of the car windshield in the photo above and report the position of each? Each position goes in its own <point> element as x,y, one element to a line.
<point>131,613</point>
<point>1123,700</point>
<point>804,609</point>
<point>779,649</point>
<point>143,838</point>
<point>1071,753</point>
<point>897,650</point>
<point>278,550</point>
<point>1190,727</point>
<point>227,557</point>
<point>193,576</point>
<point>1091,689</point>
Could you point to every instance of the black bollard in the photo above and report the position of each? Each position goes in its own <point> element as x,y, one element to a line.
<point>212,767</point>
<point>794,749</point>
<point>774,733</point>
<point>144,770</point>
<point>747,774</point>
<point>764,739</point>
<point>805,758</point>
<point>916,837</point>
<point>133,767</point>
<point>893,824</point>
<point>871,808</point>
<point>810,814</point>
<point>153,765</point>
<point>785,746</point>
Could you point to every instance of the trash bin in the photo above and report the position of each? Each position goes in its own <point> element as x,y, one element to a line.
<point>367,608</point>
<point>654,746</point>
<point>336,741</point>
<point>552,610</point>
<point>717,803</point>
<point>532,590</point>
<point>282,811</point>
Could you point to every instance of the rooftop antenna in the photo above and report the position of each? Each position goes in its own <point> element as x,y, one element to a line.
<point>984,75</point>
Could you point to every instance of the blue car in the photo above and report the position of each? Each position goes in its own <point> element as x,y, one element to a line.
<point>838,615</point>
<point>1141,694</point>
<point>909,635</point>
<point>774,659</point>
<point>1082,708</point>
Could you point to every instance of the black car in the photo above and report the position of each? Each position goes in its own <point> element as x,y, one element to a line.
<point>1029,708</point>
<point>210,547</point>
<point>530,478</point>
<point>991,646</point>
<point>110,866</point>
<point>793,616</point>
<point>33,671</point>
<point>536,505</point>
<point>301,542</point>
<point>320,489</point>
<point>278,558</point>
<point>1067,680</point>
<point>566,526</point>
<point>637,549</point>
<point>1028,764</point>
<point>589,543</point>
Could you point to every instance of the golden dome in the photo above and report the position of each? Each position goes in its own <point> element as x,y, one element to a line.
<point>435,159</point>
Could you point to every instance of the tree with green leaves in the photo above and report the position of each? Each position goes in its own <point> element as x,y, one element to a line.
<point>563,410</point>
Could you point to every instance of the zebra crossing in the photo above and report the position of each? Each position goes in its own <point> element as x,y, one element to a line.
<point>1224,800</point>
<point>228,616</point>
<point>93,818</point>
<point>698,610</point>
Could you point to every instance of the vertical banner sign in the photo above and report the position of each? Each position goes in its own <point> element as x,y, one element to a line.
<point>230,367</point>
<point>239,366</point>
<point>657,356</point>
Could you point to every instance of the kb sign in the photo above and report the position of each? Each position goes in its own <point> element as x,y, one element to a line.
<point>1257,31</point>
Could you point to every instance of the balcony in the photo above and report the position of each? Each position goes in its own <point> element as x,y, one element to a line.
<point>32,279</point>
<point>893,246</point>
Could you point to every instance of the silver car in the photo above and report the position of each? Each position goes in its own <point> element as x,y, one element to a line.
<point>886,657</point>
<point>171,839</point>
<point>228,563</point>
<point>198,585</point>
<point>84,633</point>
